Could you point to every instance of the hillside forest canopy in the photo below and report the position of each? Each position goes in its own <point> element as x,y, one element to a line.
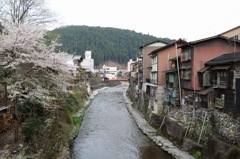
<point>106,44</point>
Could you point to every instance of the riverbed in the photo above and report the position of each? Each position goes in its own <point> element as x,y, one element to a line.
<point>109,132</point>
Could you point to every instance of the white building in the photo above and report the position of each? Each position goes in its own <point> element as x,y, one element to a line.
<point>88,62</point>
<point>129,64</point>
<point>110,72</point>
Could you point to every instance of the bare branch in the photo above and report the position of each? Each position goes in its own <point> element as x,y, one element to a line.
<point>19,12</point>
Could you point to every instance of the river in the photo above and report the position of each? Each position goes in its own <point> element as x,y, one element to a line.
<point>109,132</point>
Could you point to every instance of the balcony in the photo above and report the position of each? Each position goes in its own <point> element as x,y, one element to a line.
<point>186,84</point>
<point>186,76</point>
<point>220,84</point>
<point>170,96</point>
<point>153,81</point>
<point>153,92</point>
<point>186,56</point>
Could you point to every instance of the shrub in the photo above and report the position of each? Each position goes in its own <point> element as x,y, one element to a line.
<point>32,127</point>
<point>32,113</point>
<point>197,154</point>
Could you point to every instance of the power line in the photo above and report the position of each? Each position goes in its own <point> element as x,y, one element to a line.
<point>224,22</point>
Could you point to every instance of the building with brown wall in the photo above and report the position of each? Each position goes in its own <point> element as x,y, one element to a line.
<point>232,33</point>
<point>147,63</point>
<point>193,56</point>
<point>160,64</point>
<point>220,82</point>
<point>164,54</point>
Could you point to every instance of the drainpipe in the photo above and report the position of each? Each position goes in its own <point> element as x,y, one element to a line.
<point>138,72</point>
<point>194,97</point>
<point>168,62</point>
<point>194,84</point>
<point>179,84</point>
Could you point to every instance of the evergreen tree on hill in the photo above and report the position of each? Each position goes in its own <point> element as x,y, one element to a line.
<point>106,44</point>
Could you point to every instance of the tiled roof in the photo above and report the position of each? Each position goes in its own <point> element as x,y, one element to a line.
<point>167,46</point>
<point>77,57</point>
<point>220,68</point>
<point>207,39</point>
<point>229,30</point>
<point>225,58</point>
<point>204,69</point>
<point>156,41</point>
<point>206,91</point>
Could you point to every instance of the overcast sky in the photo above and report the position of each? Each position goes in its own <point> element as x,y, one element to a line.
<point>189,19</point>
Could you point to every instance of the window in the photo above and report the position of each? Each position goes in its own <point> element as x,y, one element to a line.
<point>186,65</point>
<point>154,78</point>
<point>173,65</point>
<point>171,78</point>
<point>154,60</point>
<point>186,74</point>
<point>186,55</point>
<point>236,37</point>
<point>223,76</point>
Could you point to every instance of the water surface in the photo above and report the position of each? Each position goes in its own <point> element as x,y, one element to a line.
<point>109,132</point>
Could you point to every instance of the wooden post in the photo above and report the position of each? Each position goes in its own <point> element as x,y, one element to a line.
<point>5,89</point>
<point>3,95</point>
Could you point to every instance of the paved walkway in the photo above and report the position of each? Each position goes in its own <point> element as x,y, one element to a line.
<point>151,133</point>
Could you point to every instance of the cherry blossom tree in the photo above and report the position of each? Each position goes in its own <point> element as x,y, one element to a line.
<point>29,63</point>
<point>47,72</point>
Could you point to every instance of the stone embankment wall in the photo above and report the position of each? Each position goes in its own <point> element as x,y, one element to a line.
<point>228,128</point>
<point>215,134</point>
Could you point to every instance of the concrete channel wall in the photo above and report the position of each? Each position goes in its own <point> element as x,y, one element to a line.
<point>151,132</point>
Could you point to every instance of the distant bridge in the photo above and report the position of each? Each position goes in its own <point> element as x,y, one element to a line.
<point>115,79</point>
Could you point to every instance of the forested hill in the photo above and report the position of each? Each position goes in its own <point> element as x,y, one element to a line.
<point>106,44</point>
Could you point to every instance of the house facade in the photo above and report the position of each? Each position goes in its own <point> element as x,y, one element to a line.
<point>160,64</point>
<point>109,72</point>
<point>171,89</point>
<point>134,69</point>
<point>146,60</point>
<point>220,82</point>
<point>129,64</point>
<point>194,55</point>
<point>233,33</point>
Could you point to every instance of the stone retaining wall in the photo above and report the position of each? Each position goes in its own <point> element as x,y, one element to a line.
<point>228,128</point>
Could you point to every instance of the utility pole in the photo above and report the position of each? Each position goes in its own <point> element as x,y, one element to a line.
<point>194,97</point>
